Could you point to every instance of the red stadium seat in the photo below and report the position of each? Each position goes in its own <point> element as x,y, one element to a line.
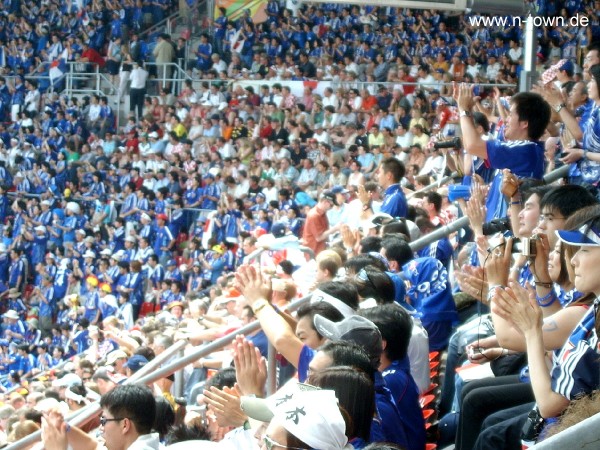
<point>426,400</point>
<point>428,414</point>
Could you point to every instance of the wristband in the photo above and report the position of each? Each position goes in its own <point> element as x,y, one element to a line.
<point>259,305</point>
<point>585,152</point>
<point>516,203</point>
<point>491,290</point>
<point>546,300</point>
<point>547,285</point>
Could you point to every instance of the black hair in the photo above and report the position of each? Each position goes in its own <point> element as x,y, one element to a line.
<point>567,199</point>
<point>397,249</point>
<point>323,309</point>
<point>533,109</point>
<point>355,393</point>
<point>361,261</point>
<point>146,352</point>
<point>481,120</point>
<point>395,326</point>
<point>435,199</point>
<point>165,416</point>
<point>181,433</point>
<point>378,286</point>
<point>370,244</point>
<point>397,227</point>
<point>345,292</point>
<point>286,266</point>
<point>395,167</point>
<point>346,353</point>
<point>133,401</point>
<point>223,378</point>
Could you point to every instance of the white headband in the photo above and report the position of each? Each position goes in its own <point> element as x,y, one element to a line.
<point>320,296</point>
<point>70,395</point>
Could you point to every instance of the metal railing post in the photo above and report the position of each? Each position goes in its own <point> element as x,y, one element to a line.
<point>179,380</point>
<point>271,370</point>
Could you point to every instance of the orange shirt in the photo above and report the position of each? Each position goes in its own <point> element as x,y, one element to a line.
<point>369,102</point>
<point>316,224</point>
<point>226,133</point>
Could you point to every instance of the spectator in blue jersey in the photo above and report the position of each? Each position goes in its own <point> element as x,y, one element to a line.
<point>441,249</point>
<point>585,160</point>
<point>431,295</point>
<point>15,330</point>
<point>390,173</point>
<point>521,152</point>
<point>163,240</point>
<point>133,285</point>
<point>156,273</point>
<point>26,361</point>
<point>212,192</point>
<point>91,301</point>
<point>395,326</point>
<point>43,360</point>
<point>107,302</point>
<point>575,369</point>
<point>45,298</point>
<point>81,340</point>
<point>16,270</point>
<point>16,303</point>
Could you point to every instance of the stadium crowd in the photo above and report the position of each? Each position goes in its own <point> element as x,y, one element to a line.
<point>118,241</point>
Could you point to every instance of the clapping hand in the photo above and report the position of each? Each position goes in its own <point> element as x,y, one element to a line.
<point>252,284</point>
<point>250,367</point>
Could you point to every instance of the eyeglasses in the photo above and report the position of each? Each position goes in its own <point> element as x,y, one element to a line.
<point>549,218</point>
<point>104,420</point>
<point>270,443</point>
<point>364,278</point>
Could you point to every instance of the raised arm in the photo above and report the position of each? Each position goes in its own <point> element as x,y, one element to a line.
<point>278,331</point>
<point>472,141</point>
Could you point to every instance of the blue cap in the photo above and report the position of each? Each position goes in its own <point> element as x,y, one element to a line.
<point>339,190</point>
<point>586,236</point>
<point>209,175</point>
<point>568,67</point>
<point>278,229</point>
<point>136,362</point>
<point>171,262</point>
<point>201,219</point>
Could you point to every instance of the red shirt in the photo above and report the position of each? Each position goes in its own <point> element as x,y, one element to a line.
<point>93,56</point>
<point>409,88</point>
<point>266,132</point>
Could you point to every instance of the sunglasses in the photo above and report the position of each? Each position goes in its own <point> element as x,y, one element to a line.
<point>270,443</point>
<point>104,420</point>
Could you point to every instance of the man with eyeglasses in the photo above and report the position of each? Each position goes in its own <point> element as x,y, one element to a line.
<point>127,418</point>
